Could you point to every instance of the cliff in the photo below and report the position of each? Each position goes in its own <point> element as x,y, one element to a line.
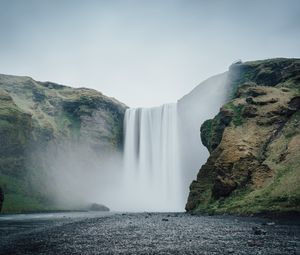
<point>254,143</point>
<point>34,115</point>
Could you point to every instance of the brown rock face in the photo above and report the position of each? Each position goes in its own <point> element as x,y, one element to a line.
<point>252,167</point>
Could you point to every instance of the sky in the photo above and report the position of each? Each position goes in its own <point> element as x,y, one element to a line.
<point>143,53</point>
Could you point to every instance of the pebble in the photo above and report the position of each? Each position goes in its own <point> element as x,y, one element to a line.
<point>133,234</point>
<point>258,231</point>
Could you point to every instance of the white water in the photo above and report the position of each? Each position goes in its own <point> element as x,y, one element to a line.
<point>152,178</point>
<point>156,175</point>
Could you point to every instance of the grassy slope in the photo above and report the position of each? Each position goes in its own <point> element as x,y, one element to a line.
<point>279,193</point>
<point>34,113</point>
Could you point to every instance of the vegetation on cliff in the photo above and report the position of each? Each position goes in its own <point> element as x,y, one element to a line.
<point>254,143</point>
<point>35,114</point>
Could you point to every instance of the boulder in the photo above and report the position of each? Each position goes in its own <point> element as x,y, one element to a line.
<point>98,208</point>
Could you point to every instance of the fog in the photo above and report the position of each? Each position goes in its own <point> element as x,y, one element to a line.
<point>200,104</point>
<point>73,175</point>
<point>162,154</point>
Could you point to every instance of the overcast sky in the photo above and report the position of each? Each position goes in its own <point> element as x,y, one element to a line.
<point>143,53</point>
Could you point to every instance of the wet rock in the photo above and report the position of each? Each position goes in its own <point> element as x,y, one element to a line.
<point>230,251</point>
<point>253,243</point>
<point>98,207</point>
<point>258,231</point>
<point>223,187</point>
<point>295,103</point>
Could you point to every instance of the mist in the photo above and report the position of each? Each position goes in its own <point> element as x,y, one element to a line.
<point>201,104</point>
<point>161,155</point>
<point>75,175</point>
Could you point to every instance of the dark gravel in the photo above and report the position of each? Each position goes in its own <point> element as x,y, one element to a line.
<point>148,233</point>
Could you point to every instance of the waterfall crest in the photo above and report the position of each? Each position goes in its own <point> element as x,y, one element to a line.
<point>151,160</point>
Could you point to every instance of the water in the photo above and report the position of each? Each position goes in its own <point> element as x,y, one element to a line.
<point>163,151</point>
<point>151,160</point>
<point>200,104</point>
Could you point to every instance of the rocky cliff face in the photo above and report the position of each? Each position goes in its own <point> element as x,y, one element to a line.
<point>254,143</point>
<point>35,114</point>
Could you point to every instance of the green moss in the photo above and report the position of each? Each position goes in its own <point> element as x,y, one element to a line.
<point>117,130</point>
<point>212,130</point>
<point>237,118</point>
<point>17,197</point>
<point>68,124</point>
<point>18,203</point>
<point>208,133</point>
<point>271,198</point>
<point>31,115</point>
<point>270,72</point>
<point>240,74</point>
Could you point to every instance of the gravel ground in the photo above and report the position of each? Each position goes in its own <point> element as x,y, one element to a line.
<point>147,233</point>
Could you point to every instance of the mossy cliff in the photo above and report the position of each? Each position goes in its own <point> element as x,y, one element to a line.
<point>254,143</point>
<point>33,115</point>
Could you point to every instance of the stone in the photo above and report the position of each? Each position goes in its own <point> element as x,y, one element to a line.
<point>223,187</point>
<point>270,223</point>
<point>258,231</point>
<point>98,207</point>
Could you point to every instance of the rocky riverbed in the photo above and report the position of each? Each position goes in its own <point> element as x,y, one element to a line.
<point>146,233</point>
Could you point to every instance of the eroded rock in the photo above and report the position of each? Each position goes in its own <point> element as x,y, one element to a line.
<point>258,145</point>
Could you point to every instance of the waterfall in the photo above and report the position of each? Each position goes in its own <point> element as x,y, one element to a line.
<point>151,160</point>
<point>163,151</point>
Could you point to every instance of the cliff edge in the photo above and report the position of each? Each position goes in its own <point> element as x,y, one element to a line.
<point>35,116</point>
<point>254,143</point>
